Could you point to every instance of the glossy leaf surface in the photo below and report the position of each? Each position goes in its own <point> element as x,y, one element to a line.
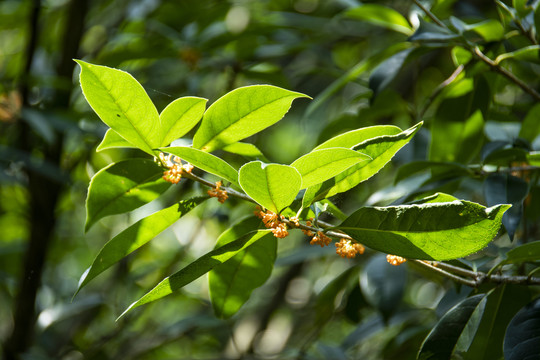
<point>440,231</point>
<point>382,16</point>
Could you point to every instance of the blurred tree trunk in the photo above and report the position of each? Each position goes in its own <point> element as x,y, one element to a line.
<point>44,192</point>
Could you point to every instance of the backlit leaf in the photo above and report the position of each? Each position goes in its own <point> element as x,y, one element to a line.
<point>242,113</point>
<point>179,117</point>
<point>382,16</point>
<point>273,186</point>
<point>113,140</point>
<point>205,161</point>
<point>122,187</point>
<point>320,165</point>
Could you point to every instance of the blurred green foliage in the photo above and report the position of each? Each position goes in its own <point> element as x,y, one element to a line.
<point>480,142</point>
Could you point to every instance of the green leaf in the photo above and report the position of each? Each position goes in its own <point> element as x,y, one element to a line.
<point>247,150</point>
<point>320,165</point>
<point>507,189</point>
<point>355,137</point>
<point>523,253</point>
<point>433,34</point>
<point>136,236</point>
<point>442,340</point>
<point>383,286</point>
<point>435,198</point>
<point>457,128</point>
<point>122,187</point>
<point>363,66</point>
<point>381,149</point>
<point>521,340</point>
<point>231,283</point>
<point>439,231</point>
<point>412,168</point>
<point>179,117</point>
<point>382,16</point>
<point>113,140</point>
<point>121,102</point>
<point>198,268</point>
<point>489,30</point>
<point>528,53</point>
<point>242,113</point>
<point>387,71</point>
<point>502,304</point>
<point>273,186</point>
<point>530,129</point>
<point>205,161</point>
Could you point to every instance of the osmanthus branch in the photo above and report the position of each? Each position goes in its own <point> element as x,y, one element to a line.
<point>455,273</point>
<point>475,50</point>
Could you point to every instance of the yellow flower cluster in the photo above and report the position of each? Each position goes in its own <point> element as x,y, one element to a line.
<point>272,221</point>
<point>395,260</point>
<point>349,248</point>
<point>175,168</point>
<point>221,195</point>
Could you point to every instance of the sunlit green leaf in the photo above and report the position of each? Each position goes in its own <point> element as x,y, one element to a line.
<point>320,165</point>
<point>205,161</point>
<point>198,268</point>
<point>273,186</point>
<point>122,187</point>
<point>247,150</point>
<point>241,113</point>
<point>529,53</point>
<point>136,236</point>
<point>380,149</point>
<point>382,16</point>
<point>179,117</point>
<point>440,231</point>
<point>113,140</point>
<point>121,102</point>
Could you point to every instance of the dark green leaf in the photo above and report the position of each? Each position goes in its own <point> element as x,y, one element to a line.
<point>113,140</point>
<point>121,102</point>
<point>443,338</point>
<point>522,339</point>
<point>507,189</point>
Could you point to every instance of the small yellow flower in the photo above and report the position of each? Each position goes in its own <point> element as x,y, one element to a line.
<point>395,260</point>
